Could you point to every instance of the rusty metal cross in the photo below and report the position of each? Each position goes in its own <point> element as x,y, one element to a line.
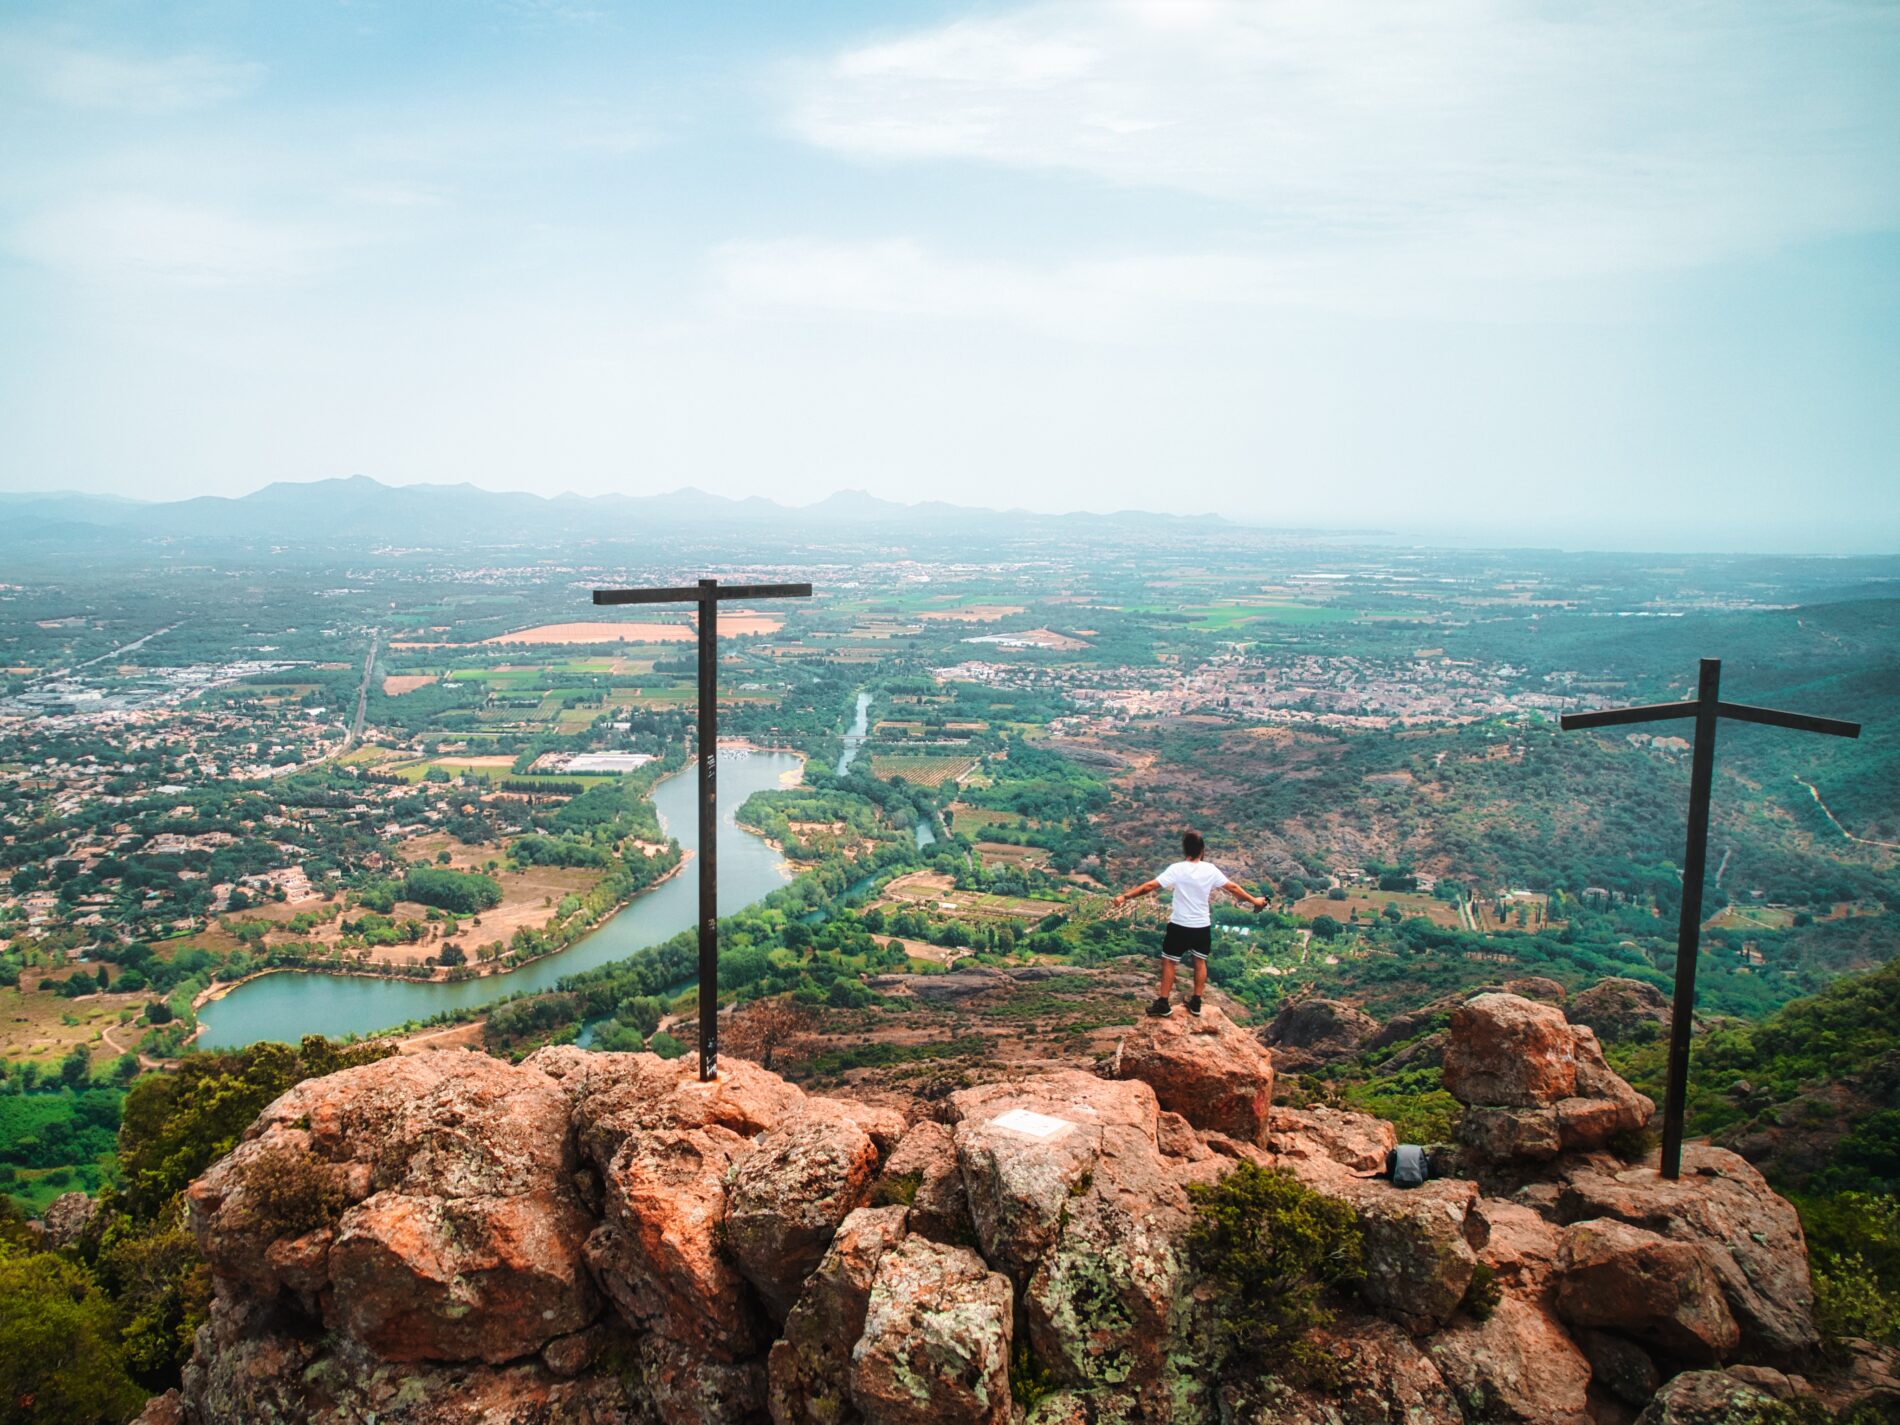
<point>708,594</point>
<point>1707,709</point>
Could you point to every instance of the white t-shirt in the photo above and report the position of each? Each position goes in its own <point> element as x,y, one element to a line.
<point>1193,884</point>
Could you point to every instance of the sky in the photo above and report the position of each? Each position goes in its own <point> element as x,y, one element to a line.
<point>1603,275</point>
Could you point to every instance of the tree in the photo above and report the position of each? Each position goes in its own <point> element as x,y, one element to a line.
<point>59,1358</point>
<point>75,1067</point>
<point>765,1028</point>
<point>1325,927</point>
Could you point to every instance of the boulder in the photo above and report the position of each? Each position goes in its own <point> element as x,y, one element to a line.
<point>1500,1134</point>
<point>1315,1032</point>
<point>1516,1365</point>
<point>1750,1237</point>
<point>1620,1009</point>
<point>65,1220</point>
<point>1518,1244</point>
<point>166,1409</point>
<point>1604,1105</point>
<point>1203,1067</point>
<point>1357,1142</point>
<point>936,1340</point>
<point>424,1203</point>
<point>1620,1366</point>
<point>258,1361</point>
<point>1711,1398</point>
<point>1538,987</point>
<point>1508,1051</point>
<point>1660,1292</point>
<point>614,1095</point>
<point>660,1253</point>
<point>810,1365</point>
<point>1101,1308</point>
<point>1026,1146</point>
<point>1388,1380</point>
<point>686,1388</point>
<point>922,1171</point>
<point>786,1197</point>
<point>1417,1245</point>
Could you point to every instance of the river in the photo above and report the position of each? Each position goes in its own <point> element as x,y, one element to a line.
<point>854,739</point>
<point>290,1004</point>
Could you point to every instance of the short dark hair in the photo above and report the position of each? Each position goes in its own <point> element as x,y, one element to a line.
<point>1192,845</point>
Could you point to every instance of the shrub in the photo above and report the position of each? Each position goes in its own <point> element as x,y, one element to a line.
<point>1483,1294</point>
<point>290,1191</point>
<point>1269,1246</point>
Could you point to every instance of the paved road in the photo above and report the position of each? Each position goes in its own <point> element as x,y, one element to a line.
<point>362,691</point>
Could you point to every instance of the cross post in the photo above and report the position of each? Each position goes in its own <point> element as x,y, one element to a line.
<point>1707,709</point>
<point>707,594</point>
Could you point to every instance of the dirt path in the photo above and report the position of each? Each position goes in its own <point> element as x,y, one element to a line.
<point>1827,812</point>
<point>146,1061</point>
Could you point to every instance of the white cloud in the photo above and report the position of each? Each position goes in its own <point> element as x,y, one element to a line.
<point>902,278</point>
<point>136,238</point>
<point>83,78</point>
<point>1473,137</point>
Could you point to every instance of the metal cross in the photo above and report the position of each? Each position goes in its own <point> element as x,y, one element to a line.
<point>1707,709</point>
<point>708,595</point>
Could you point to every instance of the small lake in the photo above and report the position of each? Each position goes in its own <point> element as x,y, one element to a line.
<point>288,1005</point>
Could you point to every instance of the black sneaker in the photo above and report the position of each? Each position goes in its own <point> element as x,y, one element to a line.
<point>1161,1009</point>
<point>1194,1004</point>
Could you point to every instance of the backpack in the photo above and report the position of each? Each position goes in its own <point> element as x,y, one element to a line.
<point>1407,1165</point>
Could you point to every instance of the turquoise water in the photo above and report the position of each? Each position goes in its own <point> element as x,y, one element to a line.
<point>854,739</point>
<point>291,1004</point>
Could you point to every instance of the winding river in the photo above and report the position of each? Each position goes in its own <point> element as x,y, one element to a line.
<point>290,1004</point>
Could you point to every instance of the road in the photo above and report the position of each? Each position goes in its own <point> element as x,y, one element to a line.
<point>101,657</point>
<point>1827,812</point>
<point>362,691</point>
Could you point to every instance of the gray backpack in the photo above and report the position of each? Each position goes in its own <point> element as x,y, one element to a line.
<point>1408,1166</point>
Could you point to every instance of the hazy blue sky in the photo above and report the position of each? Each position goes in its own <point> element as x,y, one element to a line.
<point>1593,273</point>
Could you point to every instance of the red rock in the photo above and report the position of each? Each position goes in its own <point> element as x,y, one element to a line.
<point>936,1342</point>
<point>1659,1292</point>
<point>1507,1051</point>
<point>1519,1245</point>
<point>1020,1181</point>
<point>1358,1142</point>
<point>1621,1009</point>
<point>923,1168</point>
<point>810,1366</point>
<point>1517,1366</point>
<point>471,1247</point>
<point>166,1409</point>
<point>1537,987</point>
<point>1203,1067</point>
<point>1709,1398</point>
<point>1314,1032</point>
<point>1750,1237</point>
<point>1500,1134</point>
<point>660,1253</point>
<point>1620,1366</point>
<point>1417,1245</point>
<point>785,1199</point>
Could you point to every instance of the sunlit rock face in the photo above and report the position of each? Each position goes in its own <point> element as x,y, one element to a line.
<point>602,1238</point>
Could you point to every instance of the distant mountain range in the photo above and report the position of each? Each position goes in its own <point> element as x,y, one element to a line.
<point>358,509</point>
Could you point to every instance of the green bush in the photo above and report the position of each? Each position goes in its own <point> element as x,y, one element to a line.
<point>290,1192</point>
<point>460,892</point>
<point>60,1361</point>
<point>1269,1246</point>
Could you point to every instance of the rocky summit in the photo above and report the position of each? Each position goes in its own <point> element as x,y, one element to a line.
<point>596,1238</point>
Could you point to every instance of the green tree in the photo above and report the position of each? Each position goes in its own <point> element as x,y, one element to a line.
<point>60,1361</point>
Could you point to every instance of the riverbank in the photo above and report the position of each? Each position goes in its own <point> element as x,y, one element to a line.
<point>340,1001</point>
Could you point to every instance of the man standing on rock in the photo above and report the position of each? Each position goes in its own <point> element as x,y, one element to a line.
<point>1193,882</point>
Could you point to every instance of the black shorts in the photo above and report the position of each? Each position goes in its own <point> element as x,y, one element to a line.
<point>1195,940</point>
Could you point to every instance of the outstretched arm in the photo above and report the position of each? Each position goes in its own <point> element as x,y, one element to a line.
<point>1146,888</point>
<point>1241,893</point>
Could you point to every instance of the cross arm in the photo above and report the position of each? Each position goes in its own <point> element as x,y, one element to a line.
<point>1619,717</point>
<point>1801,722</point>
<point>691,594</point>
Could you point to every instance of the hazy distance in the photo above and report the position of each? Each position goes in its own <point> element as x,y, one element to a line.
<point>1618,279</point>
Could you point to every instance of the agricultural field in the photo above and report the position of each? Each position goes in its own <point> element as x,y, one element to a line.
<point>1368,905</point>
<point>933,891</point>
<point>921,769</point>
